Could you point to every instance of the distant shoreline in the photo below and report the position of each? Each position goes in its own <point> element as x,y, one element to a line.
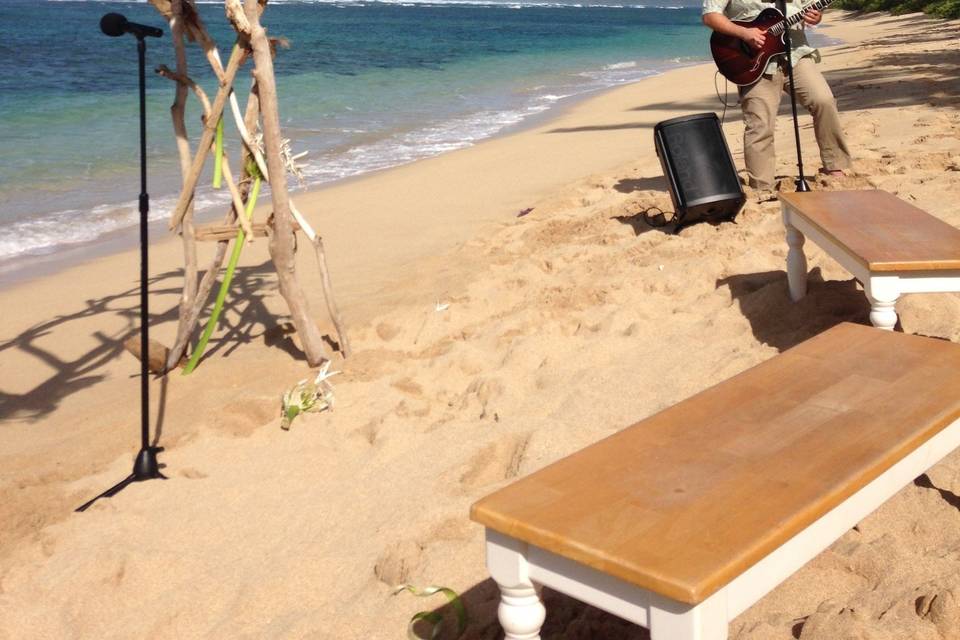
<point>23,268</point>
<point>386,85</point>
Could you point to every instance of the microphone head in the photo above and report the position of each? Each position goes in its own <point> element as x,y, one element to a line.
<point>113,24</point>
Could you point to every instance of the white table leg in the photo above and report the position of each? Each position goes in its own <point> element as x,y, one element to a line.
<point>796,262</point>
<point>671,620</point>
<point>521,612</point>
<point>883,292</point>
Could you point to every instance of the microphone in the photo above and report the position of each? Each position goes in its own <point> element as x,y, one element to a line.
<point>114,25</point>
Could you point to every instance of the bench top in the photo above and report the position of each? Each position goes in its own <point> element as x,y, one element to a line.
<point>881,231</point>
<point>686,500</point>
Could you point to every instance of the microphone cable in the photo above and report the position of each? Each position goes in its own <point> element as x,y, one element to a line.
<point>726,94</point>
<point>657,217</point>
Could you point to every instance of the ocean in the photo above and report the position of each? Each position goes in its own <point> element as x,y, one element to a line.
<point>364,86</point>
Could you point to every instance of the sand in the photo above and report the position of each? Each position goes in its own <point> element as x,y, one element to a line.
<point>561,326</point>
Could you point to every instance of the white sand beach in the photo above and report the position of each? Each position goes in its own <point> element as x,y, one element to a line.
<point>553,330</point>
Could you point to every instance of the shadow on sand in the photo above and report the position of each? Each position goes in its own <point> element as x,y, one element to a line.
<point>630,185</point>
<point>566,618</point>
<point>781,323</point>
<point>245,319</point>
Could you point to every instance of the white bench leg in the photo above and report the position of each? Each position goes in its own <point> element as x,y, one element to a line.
<point>796,263</point>
<point>883,293</point>
<point>521,612</point>
<point>671,620</point>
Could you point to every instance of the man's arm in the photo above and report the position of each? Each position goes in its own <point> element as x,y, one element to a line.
<point>722,24</point>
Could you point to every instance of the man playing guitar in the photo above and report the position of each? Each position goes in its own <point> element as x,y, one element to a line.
<point>760,101</point>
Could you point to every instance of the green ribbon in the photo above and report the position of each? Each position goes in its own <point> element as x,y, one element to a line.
<point>433,617</point>
<point>218,157</point>
<point>225,285</point>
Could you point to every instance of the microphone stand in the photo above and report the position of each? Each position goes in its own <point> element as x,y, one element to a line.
<point>801,182</point>
<point>145,467</point>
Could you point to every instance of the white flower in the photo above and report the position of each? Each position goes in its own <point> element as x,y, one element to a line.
<point>308,397</point>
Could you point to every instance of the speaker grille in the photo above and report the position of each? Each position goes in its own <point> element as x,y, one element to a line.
<point>698,166</point>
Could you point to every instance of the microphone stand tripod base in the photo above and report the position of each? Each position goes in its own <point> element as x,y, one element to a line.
<point>145,467</point>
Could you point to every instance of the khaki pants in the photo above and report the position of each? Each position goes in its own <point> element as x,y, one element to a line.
<point>760,103</point>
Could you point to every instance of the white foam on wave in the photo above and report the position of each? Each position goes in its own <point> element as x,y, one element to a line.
<point>426,142</point>
<point>454,134</point>
<point>42,234</point>
<point>461,132</point>
<point>615,74</point>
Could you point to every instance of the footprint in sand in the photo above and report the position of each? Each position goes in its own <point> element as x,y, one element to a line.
<point>408,386</point>
<point>484,391</point>
<point>942,609</point>
<point>398,562</point>
<point>387,331</point>
<point>371,430</point>
<point>242,417</point>
<point>496,462</point>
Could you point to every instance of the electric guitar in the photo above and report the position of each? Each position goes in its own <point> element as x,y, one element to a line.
<point>738,61</point>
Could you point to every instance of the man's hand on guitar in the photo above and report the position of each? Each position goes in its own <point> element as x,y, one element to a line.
<point>754,37</point>
<point>812,17</point>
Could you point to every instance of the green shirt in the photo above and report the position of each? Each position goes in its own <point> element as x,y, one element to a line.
<point>746,10</point>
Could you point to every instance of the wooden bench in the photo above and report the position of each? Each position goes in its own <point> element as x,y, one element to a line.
<point>684,520</point>
<point>890,246</point>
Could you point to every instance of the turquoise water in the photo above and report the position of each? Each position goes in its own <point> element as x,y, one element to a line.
<point>364,86</point>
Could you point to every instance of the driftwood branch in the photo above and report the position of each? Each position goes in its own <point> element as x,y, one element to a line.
<point>195,31</point>
<point>332,308</point>
<point>194,296</point>
<point>282,242</point>
<point>222,232</point>
<point>270,160</point>
<point>315,239</point>
<point>206,138</point>
<point>237,17</point>
<point>188,297</point>
<point>210,277</point>
<point>186,81</point>
<point>164,71</point>
<point>248,141</point>
<point>300,221</point>
<point>237,198</point>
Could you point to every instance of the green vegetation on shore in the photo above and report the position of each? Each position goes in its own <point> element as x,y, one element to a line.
<point>937,8</point>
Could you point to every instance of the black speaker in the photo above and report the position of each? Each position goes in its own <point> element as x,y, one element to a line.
<point>696,161</point>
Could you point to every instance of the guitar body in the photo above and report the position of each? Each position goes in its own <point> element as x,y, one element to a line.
<point>736,60</point>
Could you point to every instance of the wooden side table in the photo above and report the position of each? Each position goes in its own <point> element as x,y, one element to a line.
<point>890,246</point>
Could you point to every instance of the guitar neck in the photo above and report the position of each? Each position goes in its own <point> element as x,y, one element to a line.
<point>797,17</point>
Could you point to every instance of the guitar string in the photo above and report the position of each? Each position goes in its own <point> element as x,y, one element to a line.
<point>778,28</point>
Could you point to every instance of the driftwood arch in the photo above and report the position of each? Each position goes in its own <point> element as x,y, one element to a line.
<point>258,125</point>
